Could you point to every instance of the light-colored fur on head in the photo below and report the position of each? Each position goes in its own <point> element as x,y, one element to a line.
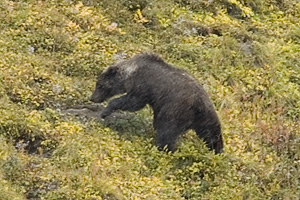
<point>124,68</point>
<point>127,68</point>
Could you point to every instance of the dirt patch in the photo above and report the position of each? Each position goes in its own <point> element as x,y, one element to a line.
<point>93,112</point>
<point>33,145</point>
<point>122,122</point>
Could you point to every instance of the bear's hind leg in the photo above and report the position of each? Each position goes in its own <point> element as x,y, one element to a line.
<point>212,137</point>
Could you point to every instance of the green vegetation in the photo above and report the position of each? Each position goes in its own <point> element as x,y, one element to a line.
<point>245,52</point>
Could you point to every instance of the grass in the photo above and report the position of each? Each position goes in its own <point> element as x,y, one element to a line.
<point>245,53</point>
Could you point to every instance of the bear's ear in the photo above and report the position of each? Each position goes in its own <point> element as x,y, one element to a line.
<point>111,72</point>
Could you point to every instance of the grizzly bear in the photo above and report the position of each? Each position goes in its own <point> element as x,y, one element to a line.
<point>178,101</point>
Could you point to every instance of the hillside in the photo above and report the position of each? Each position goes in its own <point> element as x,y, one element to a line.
<point>246,53</point>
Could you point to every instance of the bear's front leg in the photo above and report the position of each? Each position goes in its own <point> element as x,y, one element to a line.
<point>126,103</point>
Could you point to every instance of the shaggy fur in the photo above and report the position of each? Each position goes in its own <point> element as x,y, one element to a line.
<point>179,102</point>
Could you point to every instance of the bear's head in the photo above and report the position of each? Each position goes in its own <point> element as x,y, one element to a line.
<point>109,83</point>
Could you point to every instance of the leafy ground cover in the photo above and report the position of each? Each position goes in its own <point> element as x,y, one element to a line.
<point>244,52</point>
